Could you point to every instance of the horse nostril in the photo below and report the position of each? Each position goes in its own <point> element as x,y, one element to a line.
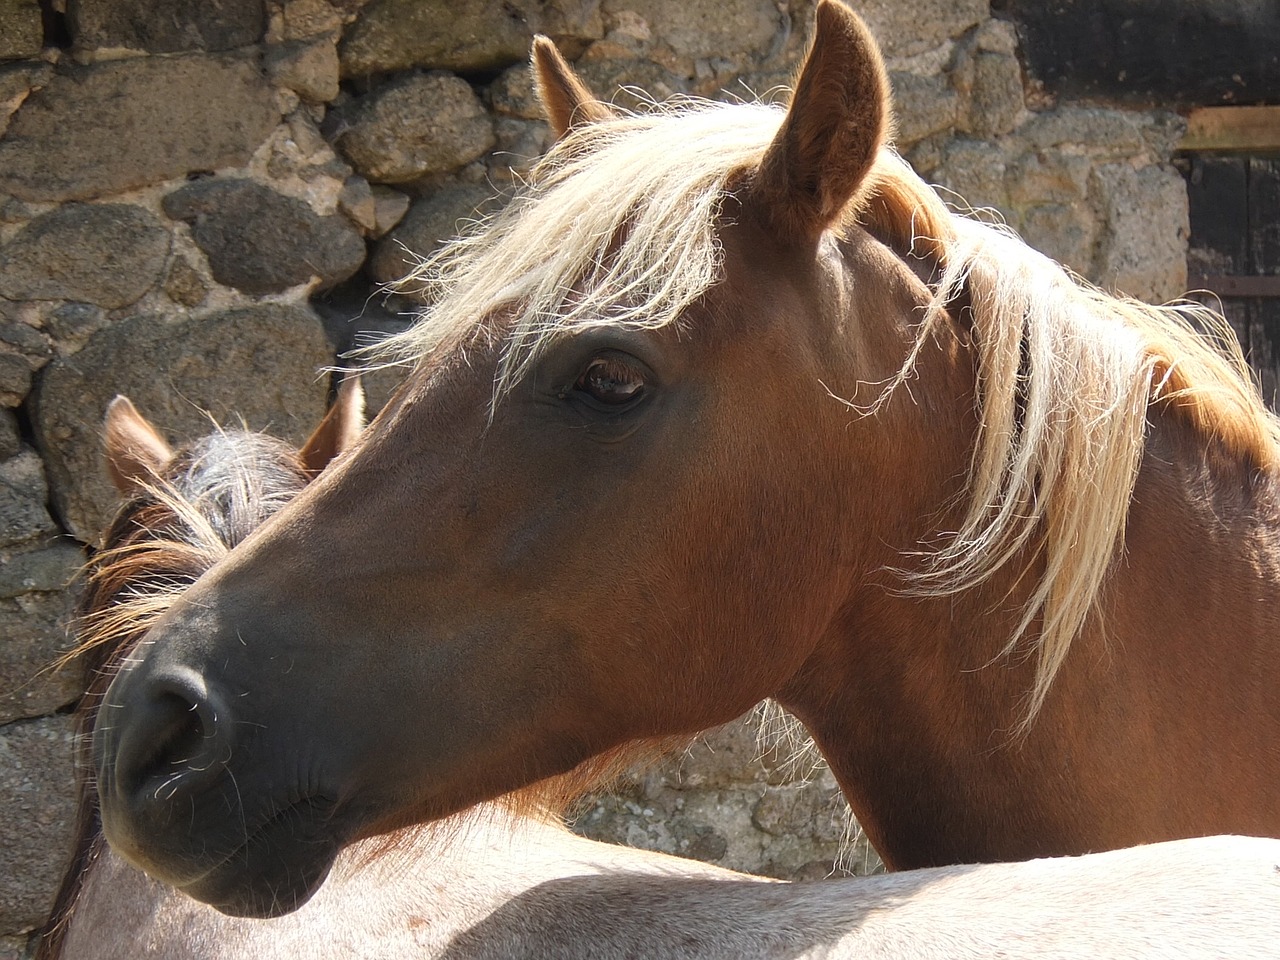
<point>177,742</point>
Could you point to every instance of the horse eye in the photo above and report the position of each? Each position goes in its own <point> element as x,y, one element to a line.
<point>611,381</point>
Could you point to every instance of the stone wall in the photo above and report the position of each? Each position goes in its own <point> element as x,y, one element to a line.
<point>197,198</point>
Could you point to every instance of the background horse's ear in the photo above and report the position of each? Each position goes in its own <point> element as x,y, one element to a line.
<point>565,98</point>
<point>339,428</point>
<point>136,453</point>
<point>837,123</point>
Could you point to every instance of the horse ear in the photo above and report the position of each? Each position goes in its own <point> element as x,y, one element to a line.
<point>136,453</point>
<point>565,98</point>
<point>339,428</point>
<point>838,120</point>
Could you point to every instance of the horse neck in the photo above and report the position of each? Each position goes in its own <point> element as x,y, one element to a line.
<point>917,707</point>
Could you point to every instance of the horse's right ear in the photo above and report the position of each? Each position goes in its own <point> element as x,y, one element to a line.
<point>136,453</point>
<point>838,121</point>
<point>565,98</point>
<point>339,428</point>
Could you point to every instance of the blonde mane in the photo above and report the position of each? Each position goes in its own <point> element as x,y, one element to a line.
<point>617,227</point>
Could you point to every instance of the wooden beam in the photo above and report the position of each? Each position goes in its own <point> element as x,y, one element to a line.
<point>1232,128</point>
<point>1236,286</point>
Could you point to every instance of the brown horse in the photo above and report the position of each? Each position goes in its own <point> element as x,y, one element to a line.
<point>728,406</point>
<point>509,886</point>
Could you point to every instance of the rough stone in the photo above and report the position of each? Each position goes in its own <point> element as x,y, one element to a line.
<point>115,126</point>
<point>567,21</point>
<point>15,378</point>
<point>1048,176</point>
<point>721,801</point>
<point>512,94</point>
<point>390,206</point>
<point>310,18</point>
<point>260,241</point>
<point>908,29</point>
<point>23,351</point>
<point>1144,245</point>
<point>355,319</point>
<point>1067,232</point>
<point>26,340</point>
<point>1113,132</point>
<point>430,220</point>
<point>922,106</point>
<point>34,607</point>
<point>184,284</point>
<point>356,201</point>
<point>631,84</point>
<point>108,254</point>
<point>37,794</point>
<point>974,170</point>
<point>707,30</point>
<point>996,96</point>
<point>10,436</point>
<point>16,948</point>
<point>392,35</point>
<point>308,69</point>
<point>415,126</point>
<point>24,516</point>
<point>21,29</point>
<point>519,145</point>
<point>48,568</point>
<point>795,809</point>
<point>402,34</point>
<point>298,151</point>
<point>210,25</point>
<point>70,324</point>
<point>16,82</point>
<point>13,210</point>
<point>259,362</point>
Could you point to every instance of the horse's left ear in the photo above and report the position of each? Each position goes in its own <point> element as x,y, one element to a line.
<point>339,428</point>
<point>838,120</point>
<point>565,98</point>
<point>136,453</point>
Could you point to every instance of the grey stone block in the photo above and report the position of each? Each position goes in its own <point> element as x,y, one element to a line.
<point>1144,245</point>
<point>109,254</point>
<point>260,363</point>
<point>33,630</point>
<point>432,219</point>
<point>174,26</point>
<point>23,495</point>
<point>260,241</point>
<point>114,126</point>
<point>21,29</point>
<point>413,127</point>
<point>392,35</point>
<point>37,796</point>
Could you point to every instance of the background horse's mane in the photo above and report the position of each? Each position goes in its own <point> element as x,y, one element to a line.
<point>617,226</point>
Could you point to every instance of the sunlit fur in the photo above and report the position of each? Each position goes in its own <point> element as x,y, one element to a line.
<point>618,227</point>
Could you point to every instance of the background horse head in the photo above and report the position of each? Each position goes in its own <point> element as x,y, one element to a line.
<point>183,511</point>
<point>728,406</point>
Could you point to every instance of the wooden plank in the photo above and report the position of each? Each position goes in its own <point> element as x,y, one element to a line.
<point>1235,286</point>
<point>1218,200</point>
<point>1232,128</point>
<point>1174,53</point>
<point>1264,217</point>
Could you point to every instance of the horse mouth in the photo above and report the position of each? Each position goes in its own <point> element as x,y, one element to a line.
<point>278,868</point>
